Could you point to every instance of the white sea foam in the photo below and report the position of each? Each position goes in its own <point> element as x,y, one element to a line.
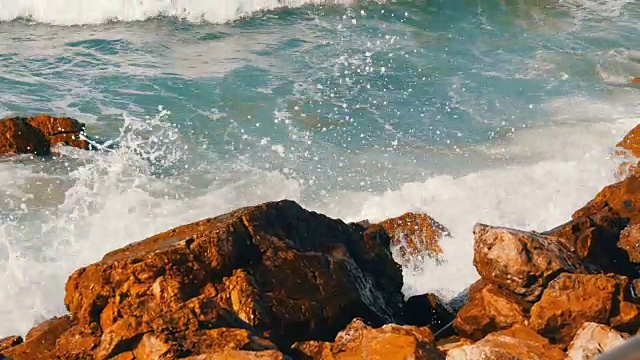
<point>76,12</point>
<point>115,199</point>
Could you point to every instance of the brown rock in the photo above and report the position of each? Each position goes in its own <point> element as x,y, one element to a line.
<point>10,341</point>
<point>40,341</point>
<point>593,339</point>
<point>448,344</point>
<point>573,299</point>
<point>37,134</point>
<point>241,355</point>
<point>275,269</point>
<point>415,234</point>
<point>427,310</point>
<point>518,342</point>
<point>621,199</point>
<point>519,261</point>
<point>488,310</point>
<point>359,341</point>
<point>594,239</point>
<point>630,242</point>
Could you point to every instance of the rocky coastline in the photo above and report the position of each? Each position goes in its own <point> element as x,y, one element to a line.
<point>276,281</point>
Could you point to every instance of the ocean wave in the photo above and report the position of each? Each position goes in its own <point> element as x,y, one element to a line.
<point>79,12</point>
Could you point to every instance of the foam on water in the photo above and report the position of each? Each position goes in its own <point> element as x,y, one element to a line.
<point>516,135</point>
<point>78,12</point>
<point>114,198</point>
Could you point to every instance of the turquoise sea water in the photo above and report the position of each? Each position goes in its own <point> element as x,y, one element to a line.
<point>496,111</point>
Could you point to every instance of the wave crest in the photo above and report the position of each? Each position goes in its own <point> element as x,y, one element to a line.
<point>81,12</point>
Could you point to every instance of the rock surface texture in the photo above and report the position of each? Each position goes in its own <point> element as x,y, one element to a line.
<point>38,134</point>
<point>275,281</point>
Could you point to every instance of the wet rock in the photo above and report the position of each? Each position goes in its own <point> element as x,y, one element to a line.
<point>518,342</point>
<point>594,239</point>
<point>574,299</point>
<point>40,341</point>
<point>415,235</point>
<point>360,341</point>
<point>520,262</point>
<point>274,270</point>
<point>427,310</point>
<point>593,339</point>
<point>490,309</point>
<point>621,199</point>
<point>10,341</point>
<point>38,134</point>
<point>630,242</point>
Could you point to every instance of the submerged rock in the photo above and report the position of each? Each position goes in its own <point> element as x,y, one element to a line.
<point>38,134</point>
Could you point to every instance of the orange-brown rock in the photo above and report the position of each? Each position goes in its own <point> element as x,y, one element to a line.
<point>414,235</point>
<point>574,299</point>
<point>621,199</point>
<point>593,339</point>
<point>275,269</point>
<point>629,149</point>
<point>427,310</point>
<point>39,341</point>
<point>10,341</point>
<point>519,261</point>
<point>594,239</point>
<point>359,341</point>
<point>241,355</point>
<point>518,342</point>
<point>630,242</point>
<point>450,343</point>
<point>38,134</point>
<point>490,309</point>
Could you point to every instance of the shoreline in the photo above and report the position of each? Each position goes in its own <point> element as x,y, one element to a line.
<point>276,281</point>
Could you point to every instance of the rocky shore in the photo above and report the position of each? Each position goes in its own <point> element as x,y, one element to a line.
<point>276,281</point>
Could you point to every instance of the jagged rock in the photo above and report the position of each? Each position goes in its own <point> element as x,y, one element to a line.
<point>241,355</point>
<point>621,199</point>
<point>518,342</point>
<point>630,242</point>
<point>490,309</point>
<point>594,239</point>
<point>593,339</point>
<point>359,341</point>
<point>9,342</point>
<point>272,272</point>
<point>414,234</point>
<point>574,299</point>
<point>427,310</point>
<point>40,341</point>
<point>519,261</point>
<point>38,134</point>
<point>450,343</point>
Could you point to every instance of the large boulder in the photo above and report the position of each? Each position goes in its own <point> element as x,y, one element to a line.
<point>38,134</point>
<point>360,341</point>
<point>571,300</point>
<point>265,275</point>
<point>518,342</point>
<point>519,261</point>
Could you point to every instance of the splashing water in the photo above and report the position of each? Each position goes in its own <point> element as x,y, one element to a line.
<point>485,112</point>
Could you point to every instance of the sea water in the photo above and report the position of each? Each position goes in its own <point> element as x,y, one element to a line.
<point>501,112</point>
